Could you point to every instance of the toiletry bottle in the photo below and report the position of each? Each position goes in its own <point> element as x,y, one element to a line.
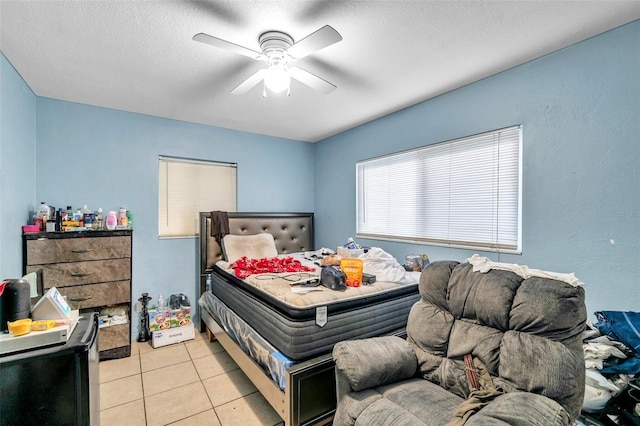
<point>122,218</point>
<point>130,218</point>
<point>112,220</point>
<point>43,211</point>
<point>99,219</point>
<point>87,217</point>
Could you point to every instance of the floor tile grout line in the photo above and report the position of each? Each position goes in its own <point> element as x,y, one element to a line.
<point>192,415</point>
<point>215,412</point>
<point>144,399</point>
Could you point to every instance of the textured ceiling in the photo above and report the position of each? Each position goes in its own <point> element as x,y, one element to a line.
<point>139,56</point>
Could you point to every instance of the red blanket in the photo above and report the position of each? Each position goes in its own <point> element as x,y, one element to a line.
<point>244,266</point>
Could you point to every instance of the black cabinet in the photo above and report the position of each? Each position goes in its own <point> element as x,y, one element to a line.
<point>57,385</point>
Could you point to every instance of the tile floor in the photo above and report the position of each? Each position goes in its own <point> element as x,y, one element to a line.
<point>194,382</point>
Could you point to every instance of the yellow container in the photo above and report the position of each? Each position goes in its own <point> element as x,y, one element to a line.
<point>42,325</point>
<point>19,327</point>
<point>352,268</point>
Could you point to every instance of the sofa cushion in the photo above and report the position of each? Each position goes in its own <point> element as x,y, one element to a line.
<point>411,402</point>
<point>539,411</point>
<point>555,375</point>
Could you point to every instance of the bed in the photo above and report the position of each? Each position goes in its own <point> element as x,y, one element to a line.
<point>283,341</point>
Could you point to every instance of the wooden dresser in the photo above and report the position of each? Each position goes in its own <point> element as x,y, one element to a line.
<point>93,270</point>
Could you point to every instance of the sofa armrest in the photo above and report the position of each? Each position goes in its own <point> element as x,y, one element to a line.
<point>377,361</point>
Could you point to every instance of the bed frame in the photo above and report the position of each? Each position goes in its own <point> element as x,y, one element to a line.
<point>309,397</point>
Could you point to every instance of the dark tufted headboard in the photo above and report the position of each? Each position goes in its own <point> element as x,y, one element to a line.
<point>292,232</point>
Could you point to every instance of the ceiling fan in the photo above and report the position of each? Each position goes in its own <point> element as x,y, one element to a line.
<point>278,50</point>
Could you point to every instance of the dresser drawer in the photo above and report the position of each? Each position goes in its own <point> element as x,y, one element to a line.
<point>114,336</point>
<point>97,295</point>
<point>55,250</point>
<point>79,273</point>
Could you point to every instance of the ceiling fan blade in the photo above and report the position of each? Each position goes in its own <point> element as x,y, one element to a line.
<point>226,45</point>
<point>311,80</point>
<point>250,82</point>
<point>325,36</point>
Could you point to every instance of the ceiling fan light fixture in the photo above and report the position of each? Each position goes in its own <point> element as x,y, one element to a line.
<point>277,79</point>
<point>278,50</point>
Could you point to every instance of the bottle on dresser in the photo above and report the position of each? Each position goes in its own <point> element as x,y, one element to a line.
<point>99,223</point>
<point>123,222</point>
<point>112,220</point>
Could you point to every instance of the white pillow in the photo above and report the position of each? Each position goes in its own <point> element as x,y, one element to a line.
<point>253,246</point>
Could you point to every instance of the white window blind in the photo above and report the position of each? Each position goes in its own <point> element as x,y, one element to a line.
<point>188,187</point>
<point>463,193</point>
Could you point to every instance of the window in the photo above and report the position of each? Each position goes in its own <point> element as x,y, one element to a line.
<point>462,193</point>
<point>188,187</point>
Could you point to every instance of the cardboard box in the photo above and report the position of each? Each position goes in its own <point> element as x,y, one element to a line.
<point>181,317</point>
<point>172,335</point>
<point>159,319</point>
<point>173,320</point>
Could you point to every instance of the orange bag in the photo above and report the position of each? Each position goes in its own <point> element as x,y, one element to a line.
<point>352,269</point>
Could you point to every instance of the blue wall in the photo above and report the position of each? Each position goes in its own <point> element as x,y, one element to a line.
<point>580,111</point>
<point>107,158</point>
<point>17,165</point>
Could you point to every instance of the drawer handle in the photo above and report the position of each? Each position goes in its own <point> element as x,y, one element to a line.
<point>80,274</point>
<point>81,250</point>
<point>80,298</point>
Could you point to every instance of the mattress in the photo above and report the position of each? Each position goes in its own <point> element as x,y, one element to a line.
<point>302,326</point>
<point>273,362</point>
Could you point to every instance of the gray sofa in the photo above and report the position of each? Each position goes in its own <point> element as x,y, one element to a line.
<point>525,333</point>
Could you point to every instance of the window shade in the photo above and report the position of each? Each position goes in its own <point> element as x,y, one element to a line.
<point>464,192</point>
<point>188,187</point>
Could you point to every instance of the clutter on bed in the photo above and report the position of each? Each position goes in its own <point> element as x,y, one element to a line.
<point>245,266</point>
<point>352,269</point>
<point>331,260</point>
<point>333,278</point>
<point>385,267</point>
<point>351,249</point>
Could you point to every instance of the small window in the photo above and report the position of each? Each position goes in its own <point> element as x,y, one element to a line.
<point>460,193</point>
<point>188,187</point>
